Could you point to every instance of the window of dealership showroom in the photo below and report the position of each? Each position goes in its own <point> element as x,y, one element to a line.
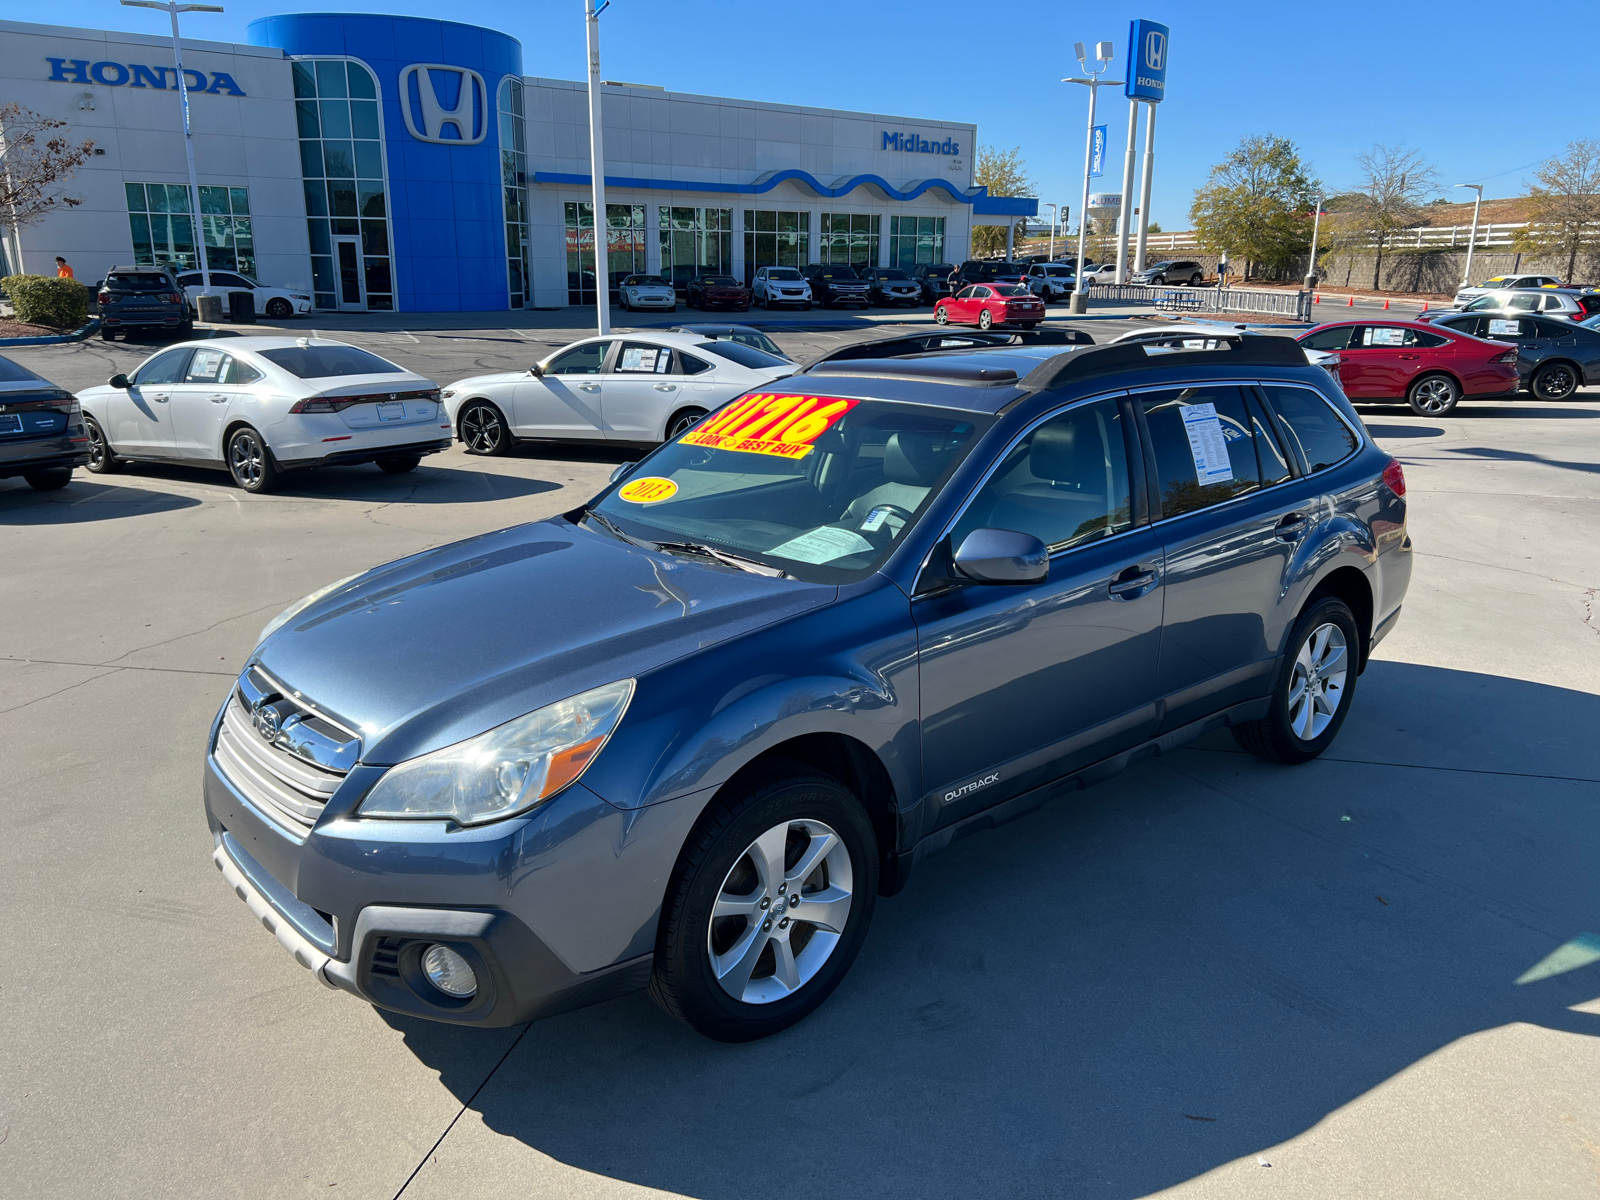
<point>850,239</point>
<point>514,181</point>
<point>625,243</point>
<point>775,239</point>
<point>161,220</point>
<point>341,157</point>
<point>915,240</point>
<point>695,241</point>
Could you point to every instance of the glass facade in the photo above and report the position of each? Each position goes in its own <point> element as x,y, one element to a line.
<point>850,239</point>
<point>915,240</point>
<point>625,243</point>
<point>162,223</point>
<point>341,158</point>
<point>695,241</point>
<point>775,239</point>
<point>514,182</point>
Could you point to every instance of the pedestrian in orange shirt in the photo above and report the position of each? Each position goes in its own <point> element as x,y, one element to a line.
<point>62,270</point>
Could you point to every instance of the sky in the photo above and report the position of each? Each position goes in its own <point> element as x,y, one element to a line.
<point>1334,80</point>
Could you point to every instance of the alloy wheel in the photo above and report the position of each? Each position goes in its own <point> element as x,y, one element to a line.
<point>481,429</point>
<point>684,422</point>
<point>1434,397</point>
<point>780,911</point>
<point>99,452</point>
<point>1316,685</point>
<point>1555,382</point>
<point>246,459</point>
<point>985,319</point>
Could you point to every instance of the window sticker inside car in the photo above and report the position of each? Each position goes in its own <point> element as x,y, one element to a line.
<point>639,358</point>
<point>822,545</point>
<point>1207,445</point>
<point>1502,326</point>
<point>1377,335</point>
<point>652,489</point>
<point>875,520</point>
<point>769,423</point>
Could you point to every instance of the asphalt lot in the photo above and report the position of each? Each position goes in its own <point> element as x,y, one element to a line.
<point>1375,973</point>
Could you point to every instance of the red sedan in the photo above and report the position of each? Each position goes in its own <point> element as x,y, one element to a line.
<point>718,291</point>
<point>986,304</point>
<point>1429,367</point>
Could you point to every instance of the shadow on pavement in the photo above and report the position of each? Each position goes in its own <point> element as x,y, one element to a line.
<point>1404,431</point>
<point>1523,456</point>
<point>1130,987</point>
<point>1479,408</point>
<point>84,499</point>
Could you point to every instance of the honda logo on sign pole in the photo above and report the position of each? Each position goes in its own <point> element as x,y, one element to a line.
<point>1147,61</point>
<point>468,119</point>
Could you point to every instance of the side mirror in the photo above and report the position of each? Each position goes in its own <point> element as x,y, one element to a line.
<point>119,380</point>
<point>536,371</point>
<point>1002,556</point>
<point>622,471</point>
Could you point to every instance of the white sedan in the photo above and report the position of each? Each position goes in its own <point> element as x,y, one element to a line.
<point>642,388</point>
<point>646,292</point>
<point>259,406</point>
<point>274,302</point>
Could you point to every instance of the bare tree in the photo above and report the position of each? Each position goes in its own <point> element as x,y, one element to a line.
<point>1566,204</point>
<point>1005,174</point>
<point>34,160</point>
<point>1394,183</point>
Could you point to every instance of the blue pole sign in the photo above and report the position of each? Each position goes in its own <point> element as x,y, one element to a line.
<point>1097,160</point>
<point>1147,61</point>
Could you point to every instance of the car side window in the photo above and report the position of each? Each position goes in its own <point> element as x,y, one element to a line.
<point>1309,424</point>
<point>1066,482</point>
<point>1524,303</point>
<point>1336,338</point>
<point>1204,444</point>
<point>1552,329</point>
<point>242,373</point>
<point>1270,456</point>
<point>166,367</point>
<point>586,359</point>
<point>1428,340</point>
<point>688,364</point>
<point>981,293</point>
<point>207,366</point>
<point>637,358</point>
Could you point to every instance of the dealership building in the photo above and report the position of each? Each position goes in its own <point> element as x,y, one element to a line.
<point>398,163</point>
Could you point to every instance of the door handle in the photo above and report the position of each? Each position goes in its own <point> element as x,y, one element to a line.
<point>1410,357</point>
<point>1292,528</point>
<point>589,387</point>
<point>159,399</point>
<point>219,399</point>
<point>1132,582</point>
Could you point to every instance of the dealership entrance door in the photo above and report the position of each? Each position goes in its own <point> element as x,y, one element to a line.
<point>347,264</point>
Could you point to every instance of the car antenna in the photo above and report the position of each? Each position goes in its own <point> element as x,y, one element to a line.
<point>303,342</point>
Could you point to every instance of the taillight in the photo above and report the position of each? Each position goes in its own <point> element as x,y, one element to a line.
<point>1510,356</point>
<point>1394,475</point>
<point>173,298</point>
<point>104,298</point>
<point>323,404</point>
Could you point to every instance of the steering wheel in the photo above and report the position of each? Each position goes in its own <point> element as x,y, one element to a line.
<point>903,513</point>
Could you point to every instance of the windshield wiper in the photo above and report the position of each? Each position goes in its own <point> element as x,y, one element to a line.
<point>605,522</point>
<point>724,557</point>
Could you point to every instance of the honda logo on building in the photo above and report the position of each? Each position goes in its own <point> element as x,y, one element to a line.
<point>464,123</point>
<point>1155,50</point>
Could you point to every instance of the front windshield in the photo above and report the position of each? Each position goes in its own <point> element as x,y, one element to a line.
<point>785,273</point>
<point>720,280</point>
<point>820,487</point>
<point>891,273</point>
<point>644,281</point>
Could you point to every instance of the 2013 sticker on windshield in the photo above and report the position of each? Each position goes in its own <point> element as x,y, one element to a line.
<point>769,423</point>
<point>652,489</point>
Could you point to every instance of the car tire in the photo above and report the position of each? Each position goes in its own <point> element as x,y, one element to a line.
<point>622,303</point>
<point>250,461</point>
<point>400,464</point>
<point>940,316</point>
<point>1433,395</point>
<point>483,430</point>
<point>682,421</point>
<point>278,308</point>
<point>49,481</point>
<point>101,460</point>
<point>1028,324</point>
<point>1554,381</point>
<point>1308,706</point>
<point>725,965</point>
<point>1159,279</point>
<point>807,307</point>
<point>107,335</point>
<point>185,331</point>
<point>985,319</point>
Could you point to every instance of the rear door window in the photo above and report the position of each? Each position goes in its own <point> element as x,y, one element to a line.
<point>1204,443</point>
<point>1310,427</point>
<point>636,358</point>
<point>208,366</point>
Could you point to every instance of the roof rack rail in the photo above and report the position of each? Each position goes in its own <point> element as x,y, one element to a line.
<point>934,367</point>
<point>954,339</point>
<point>1247,350</point>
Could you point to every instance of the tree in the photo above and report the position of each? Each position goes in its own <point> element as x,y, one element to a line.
<point>1005,174</point>
<point>1155,227</point>
<point>1256,204</point>
<point>34,159</point>
<point>1566,204</point>
<point>1394,181</point>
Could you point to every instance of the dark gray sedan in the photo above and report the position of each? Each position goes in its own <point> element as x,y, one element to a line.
<point>1555,357</point>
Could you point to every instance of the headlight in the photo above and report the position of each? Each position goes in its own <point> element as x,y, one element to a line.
<point>447,393</point>
<point>300,606</point>
<point>507,770</point>
<point>298,296</point>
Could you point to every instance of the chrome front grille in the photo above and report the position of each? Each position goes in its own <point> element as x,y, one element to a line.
<point>283,754</point>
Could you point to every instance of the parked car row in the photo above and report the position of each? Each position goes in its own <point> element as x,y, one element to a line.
<point>143,299</point>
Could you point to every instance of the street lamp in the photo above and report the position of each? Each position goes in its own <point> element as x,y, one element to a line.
<point>597,171</point>
<point>1316,228</point>
<point>172,9</point>
<point>1052,209</point>
<point>1102,55</point>
<point>1466,278</point>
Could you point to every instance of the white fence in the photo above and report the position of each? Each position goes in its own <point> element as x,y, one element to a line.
<point>1423,237</point>
<point>1277,303</point>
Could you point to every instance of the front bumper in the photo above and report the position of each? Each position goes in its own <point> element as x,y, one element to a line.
<point>366,454</point>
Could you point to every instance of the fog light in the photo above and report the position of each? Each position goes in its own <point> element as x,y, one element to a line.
<point>449,972</point>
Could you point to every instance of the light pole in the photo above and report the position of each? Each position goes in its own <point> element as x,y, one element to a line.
<point>597,170</point>
<point>1102,55</point>
<point>1127,193</point>
<point>1316,228</point>
<point>1052,209</point>
<point>173,9</point>
<point>1466,278</point>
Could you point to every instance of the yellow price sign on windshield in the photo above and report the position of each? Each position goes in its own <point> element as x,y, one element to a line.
<point>770,423</point>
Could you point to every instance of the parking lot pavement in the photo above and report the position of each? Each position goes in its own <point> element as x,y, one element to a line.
<point>1375,973</point>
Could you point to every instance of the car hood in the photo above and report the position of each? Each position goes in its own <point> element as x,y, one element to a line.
<point>440,646</point>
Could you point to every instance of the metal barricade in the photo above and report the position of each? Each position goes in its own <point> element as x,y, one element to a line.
<point>1276,303</point>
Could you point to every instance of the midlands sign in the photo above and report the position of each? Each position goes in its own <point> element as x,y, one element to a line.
<point>913,144</point>
<point>115,74</point>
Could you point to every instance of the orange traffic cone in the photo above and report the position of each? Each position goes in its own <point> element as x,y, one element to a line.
<point>1350,303</point>
<point>1424,306</point>
<point>1316,298</point>
<point>1385,306</point>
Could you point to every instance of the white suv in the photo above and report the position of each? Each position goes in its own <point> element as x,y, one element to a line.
<point>774,286</point>
<point>1504,283</point>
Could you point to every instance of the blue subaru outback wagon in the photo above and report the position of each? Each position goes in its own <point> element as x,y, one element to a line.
<point>684,736</point>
